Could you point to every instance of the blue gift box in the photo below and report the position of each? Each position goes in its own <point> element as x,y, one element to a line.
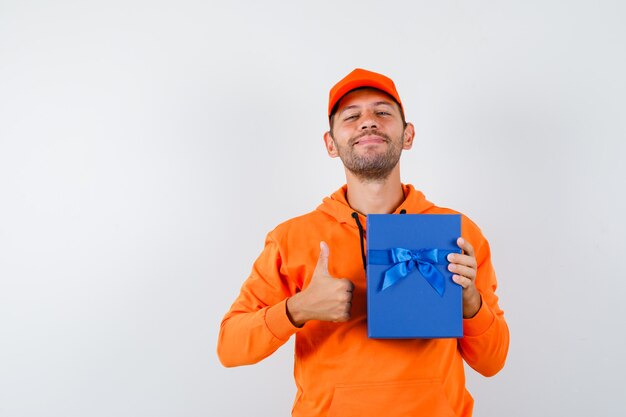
<point>410,292</point>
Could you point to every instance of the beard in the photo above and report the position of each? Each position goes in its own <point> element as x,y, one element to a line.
<point>371,165</point>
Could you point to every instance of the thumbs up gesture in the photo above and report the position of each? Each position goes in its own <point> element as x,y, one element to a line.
<point>325,298</point>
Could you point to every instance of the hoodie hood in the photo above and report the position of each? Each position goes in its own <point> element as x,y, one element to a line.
<point>337,205</point>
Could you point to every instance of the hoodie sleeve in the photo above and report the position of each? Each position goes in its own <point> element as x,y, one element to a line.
<point>257,323</point>
<point>485,341</point>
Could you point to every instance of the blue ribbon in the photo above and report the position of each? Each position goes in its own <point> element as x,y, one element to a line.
<point>405,260</point>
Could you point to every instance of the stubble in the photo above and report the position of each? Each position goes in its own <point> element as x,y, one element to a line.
<point>371,165</point>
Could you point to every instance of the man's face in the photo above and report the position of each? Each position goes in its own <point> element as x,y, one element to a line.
<point>368,134</point>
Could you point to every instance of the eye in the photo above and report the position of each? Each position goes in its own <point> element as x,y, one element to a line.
<point>351,117</point>
<point>383,113</point>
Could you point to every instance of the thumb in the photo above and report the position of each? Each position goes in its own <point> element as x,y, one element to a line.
<point>322,261</point>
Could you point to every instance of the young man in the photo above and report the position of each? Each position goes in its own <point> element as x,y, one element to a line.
<point>310,281</point>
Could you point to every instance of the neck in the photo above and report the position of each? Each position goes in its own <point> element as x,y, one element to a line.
<point>375,197</point>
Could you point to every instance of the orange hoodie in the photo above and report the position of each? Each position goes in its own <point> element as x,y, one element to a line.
<point>339,371</point>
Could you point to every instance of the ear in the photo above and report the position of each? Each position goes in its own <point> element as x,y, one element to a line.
<point>330,145</point>
<point>409,135</point>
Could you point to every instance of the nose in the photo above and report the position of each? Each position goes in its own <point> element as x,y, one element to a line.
<point>368,121</point>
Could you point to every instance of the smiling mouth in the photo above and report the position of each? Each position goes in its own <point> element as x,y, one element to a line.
<point>369,139</point>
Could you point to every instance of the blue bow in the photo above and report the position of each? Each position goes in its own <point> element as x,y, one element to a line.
<point>405,261</point>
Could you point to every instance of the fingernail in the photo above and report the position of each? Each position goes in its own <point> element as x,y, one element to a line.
<point>450,257</point>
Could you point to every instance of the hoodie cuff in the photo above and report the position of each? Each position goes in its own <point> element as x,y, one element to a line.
<point>480,323</point>
<point>277,321</point>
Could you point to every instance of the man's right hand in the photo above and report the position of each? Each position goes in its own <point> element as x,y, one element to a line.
<point>325,298</point>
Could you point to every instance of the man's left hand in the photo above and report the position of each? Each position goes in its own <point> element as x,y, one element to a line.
<point>463,266</point>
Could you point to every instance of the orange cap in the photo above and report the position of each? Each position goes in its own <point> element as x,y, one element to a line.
<point>362,78</point>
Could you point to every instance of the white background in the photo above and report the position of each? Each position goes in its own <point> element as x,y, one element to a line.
<point>147,147</point>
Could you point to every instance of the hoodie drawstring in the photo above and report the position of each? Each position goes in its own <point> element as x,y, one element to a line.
<point>355,216</point>
<point>360,226</point>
